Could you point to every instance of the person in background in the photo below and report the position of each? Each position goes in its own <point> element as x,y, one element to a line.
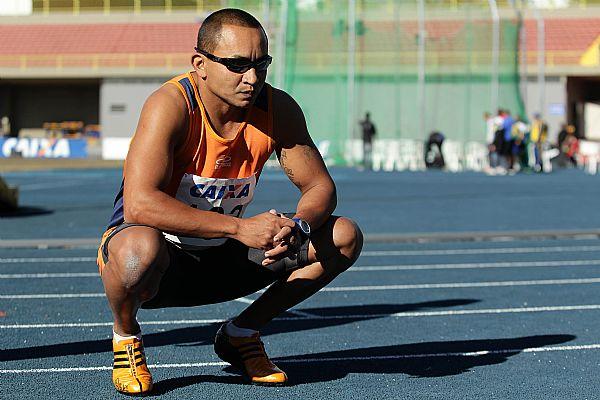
<point>538,137</point>
<point>5,126</point>
<point>570,146</point>
<point>507,145</point>
<point>368,132</point>
<point>520,138</point>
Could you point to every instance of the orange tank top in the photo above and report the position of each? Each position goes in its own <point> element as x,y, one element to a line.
<point>212,173</point>
<point>216,174</point>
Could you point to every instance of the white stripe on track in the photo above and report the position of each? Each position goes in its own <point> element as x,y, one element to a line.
<point>368,268</point>
<point>356,288</point>
<point>499,250</point>
<point>522,264</point>
<point>52,275</point>
<point>50,296</point>
<point>46,260</point>
<point>407,314</point>
<point>480,353</point>
<point>382,253</point>
<point>38,186</point>
<point>247,300</point>
<point>462,285</point>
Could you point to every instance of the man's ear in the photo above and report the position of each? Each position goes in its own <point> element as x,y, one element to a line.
<point>198,64</point>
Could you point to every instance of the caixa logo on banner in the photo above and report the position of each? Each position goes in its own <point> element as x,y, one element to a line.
<point>43,148</point>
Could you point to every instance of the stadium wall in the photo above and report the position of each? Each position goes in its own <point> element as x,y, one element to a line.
<point>121,101</point>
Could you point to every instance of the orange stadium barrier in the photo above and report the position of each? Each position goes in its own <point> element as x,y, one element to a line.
<point>317,61</point>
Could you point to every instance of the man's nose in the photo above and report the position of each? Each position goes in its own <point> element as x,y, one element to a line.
<point>250,76</point>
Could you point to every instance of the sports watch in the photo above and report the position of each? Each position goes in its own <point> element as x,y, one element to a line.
<point>303,226</point>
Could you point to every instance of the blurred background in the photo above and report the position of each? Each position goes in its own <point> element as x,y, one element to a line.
<point>75,73</point>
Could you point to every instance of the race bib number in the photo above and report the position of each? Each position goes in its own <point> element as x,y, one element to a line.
<point>225,196</point>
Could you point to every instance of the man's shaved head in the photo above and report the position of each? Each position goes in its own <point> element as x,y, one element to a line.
<point>209,33</point>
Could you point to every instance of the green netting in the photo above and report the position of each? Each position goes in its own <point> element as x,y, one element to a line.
<point>458,70</point>
<point>449,91</point>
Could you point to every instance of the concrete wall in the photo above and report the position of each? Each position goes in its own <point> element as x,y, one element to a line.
<point>554,105</point>
<point>121,101</point>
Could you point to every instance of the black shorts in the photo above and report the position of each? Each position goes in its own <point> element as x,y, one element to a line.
<point>221,273</point>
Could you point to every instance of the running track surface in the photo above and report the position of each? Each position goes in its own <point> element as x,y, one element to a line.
<point>453,319</point>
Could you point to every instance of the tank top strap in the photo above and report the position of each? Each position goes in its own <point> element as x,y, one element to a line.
<point>186,86</point>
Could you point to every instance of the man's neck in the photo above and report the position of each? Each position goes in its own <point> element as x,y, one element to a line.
<point>224,117</point>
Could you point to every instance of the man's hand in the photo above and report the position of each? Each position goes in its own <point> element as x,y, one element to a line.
<point>264,231</point>
<point>286,241</point>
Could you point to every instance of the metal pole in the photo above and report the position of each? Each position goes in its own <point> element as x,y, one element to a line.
<point>495,53</point>
<point>267,15</point>
<point>281,44</point>
<point>541,60</point>
<point>524,60</point>
<point>351,84</point>
<point>421,65</point>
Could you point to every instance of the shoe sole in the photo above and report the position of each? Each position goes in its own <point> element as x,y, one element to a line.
<point>136,394</point>
<point>230,356</point>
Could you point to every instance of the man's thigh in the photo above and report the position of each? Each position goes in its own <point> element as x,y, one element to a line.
<point>209,276</point>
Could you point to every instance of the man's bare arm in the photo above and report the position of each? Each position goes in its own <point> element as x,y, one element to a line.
<point>302,162</point>
<point>162,127</point>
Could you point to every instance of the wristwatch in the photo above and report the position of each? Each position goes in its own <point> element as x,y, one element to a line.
<point>303,226</point>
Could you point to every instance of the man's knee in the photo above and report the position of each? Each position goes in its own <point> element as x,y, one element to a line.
<point>348,238</point>
<point>136,258</point>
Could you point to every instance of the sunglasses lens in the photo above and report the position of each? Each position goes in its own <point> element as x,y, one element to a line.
<point>242,65</point>
<point>262,65</point>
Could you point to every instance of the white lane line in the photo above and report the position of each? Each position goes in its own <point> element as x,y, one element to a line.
<point>38,186</point>
<point>462,285</point>
<point>479,353</point>
<point>453,285</point>
<point>500,250</point>
<point>247,300</point>
<point>382,253</point>
<point>523,264</point>
<point>407,314</point>
<point>52,275</point>
<point>367,268</point>
<point>50,296</point>
<point>46,260</point>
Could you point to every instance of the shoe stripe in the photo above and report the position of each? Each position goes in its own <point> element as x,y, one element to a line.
<point>120,366</point>
<point>119,353</point>
<point>137,357</point>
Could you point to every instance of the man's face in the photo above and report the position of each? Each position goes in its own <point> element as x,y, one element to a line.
<point>236,89</point>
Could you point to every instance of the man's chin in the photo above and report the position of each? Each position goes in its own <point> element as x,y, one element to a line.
<point>245,103</point>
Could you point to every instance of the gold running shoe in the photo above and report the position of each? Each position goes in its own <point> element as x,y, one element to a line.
<point>130,373</point>
<point>248,354</point>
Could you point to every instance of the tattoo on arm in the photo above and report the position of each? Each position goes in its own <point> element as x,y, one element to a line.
<point>309,152</point>
<point>283,162</point>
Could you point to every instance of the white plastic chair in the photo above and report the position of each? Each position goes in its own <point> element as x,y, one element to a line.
<point>589,156</point>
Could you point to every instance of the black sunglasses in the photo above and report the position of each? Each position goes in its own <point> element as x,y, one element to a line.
<point>239,65</point>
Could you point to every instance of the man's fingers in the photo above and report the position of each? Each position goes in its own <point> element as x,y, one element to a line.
<point>283,233</point>
<point>275,254</point>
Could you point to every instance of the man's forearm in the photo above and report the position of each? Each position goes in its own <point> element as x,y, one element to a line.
<point>163,212</point>
<point>317,204</point>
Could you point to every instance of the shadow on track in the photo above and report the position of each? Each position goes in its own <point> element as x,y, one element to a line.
<point>24,212</point>
<point>421,360</point>
<point>203,335</point>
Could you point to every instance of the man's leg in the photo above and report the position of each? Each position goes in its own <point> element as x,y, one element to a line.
<point>137,259</point>
<point>333,249</point>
